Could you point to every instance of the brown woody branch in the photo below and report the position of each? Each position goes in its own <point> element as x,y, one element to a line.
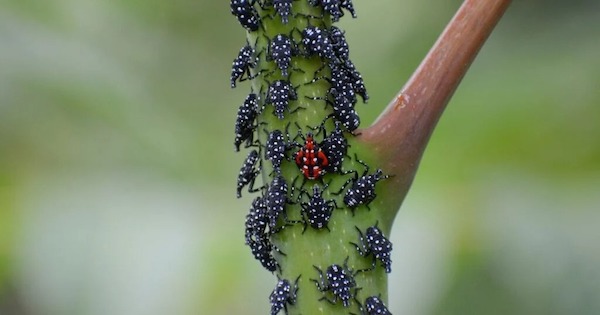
<point>400,134</point>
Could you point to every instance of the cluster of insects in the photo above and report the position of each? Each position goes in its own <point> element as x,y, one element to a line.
<point>316,153</point>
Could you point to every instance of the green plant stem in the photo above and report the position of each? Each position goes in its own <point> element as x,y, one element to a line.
<point>395,143</point>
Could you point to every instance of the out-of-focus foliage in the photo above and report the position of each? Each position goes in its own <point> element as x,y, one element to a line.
<point>117,168</point>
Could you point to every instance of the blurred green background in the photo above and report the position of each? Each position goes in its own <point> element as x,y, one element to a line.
<point>117,168</point>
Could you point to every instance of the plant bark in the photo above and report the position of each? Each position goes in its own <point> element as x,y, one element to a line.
<point>399,136</point>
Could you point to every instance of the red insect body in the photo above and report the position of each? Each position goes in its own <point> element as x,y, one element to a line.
<point>310,159</point>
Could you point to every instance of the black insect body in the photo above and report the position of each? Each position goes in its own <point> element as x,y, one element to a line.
<point>283,8</point>
<point>316,41</point>
<point>242,64</point>
<point>332,7</point>
<point>279,95</point>
<point>275,149</point>
<point>339,44</point>
<point>281,50</point>
<point>343,110</point>
<point>357,81</point>
<point>261,249</point>
<point>282,295</point>
<point>347,4</point>
<point>342,84</point>
<point>343,107</point>
<point>256,221</point>
<point>248,174</point>
<point>376,244</point>
<point>335,147</point>
<point>317,211</point>
<point>276,199</point>
<point>244,123</point>
<point>256,235</point>
<point>362,191</point>
<point>338,280</point>
<point>246,14</point>
<point>375,306</point>
<point>343,94</point>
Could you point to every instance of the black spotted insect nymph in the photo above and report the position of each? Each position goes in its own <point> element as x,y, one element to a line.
<point>308,222</point>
